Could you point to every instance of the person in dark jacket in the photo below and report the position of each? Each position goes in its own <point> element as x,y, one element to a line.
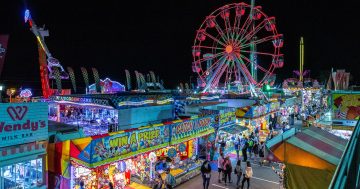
<point>227,169</point>
<point>206,174</point>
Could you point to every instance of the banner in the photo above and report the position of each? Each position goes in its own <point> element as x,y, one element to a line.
<point>189,129</point>
<point>3,49</point>
<point>121,145</point>
<point>23,123</point>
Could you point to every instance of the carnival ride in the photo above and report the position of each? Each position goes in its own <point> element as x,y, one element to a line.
<point>237,46</point>
<point>50,68</point>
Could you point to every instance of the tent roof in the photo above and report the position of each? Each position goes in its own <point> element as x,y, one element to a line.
<point>320,143</point>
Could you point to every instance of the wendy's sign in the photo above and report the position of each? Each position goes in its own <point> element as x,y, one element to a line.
<point>23,123</point>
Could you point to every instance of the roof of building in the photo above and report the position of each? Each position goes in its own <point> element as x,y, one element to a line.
<point>320,143</point>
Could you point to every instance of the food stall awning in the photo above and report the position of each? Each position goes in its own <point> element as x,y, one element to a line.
<point>234,129</point>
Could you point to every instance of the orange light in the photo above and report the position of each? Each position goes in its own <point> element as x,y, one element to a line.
<point>229,49</point>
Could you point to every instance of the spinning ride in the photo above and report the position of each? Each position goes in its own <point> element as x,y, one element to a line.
<point>51,68</point>
<point>237,46</point>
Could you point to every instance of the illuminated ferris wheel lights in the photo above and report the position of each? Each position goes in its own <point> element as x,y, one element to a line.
<point>210,21</point>
<point>278,41</point>
<point>270,25</point>
<point>201,35</point>
<point>240,10</point>
<point>257,13</point>
<point>229,34</point>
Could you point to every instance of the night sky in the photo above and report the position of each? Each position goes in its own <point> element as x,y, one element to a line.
<point>158,35</point>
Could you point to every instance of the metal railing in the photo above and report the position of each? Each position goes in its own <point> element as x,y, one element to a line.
<point>347,174</point>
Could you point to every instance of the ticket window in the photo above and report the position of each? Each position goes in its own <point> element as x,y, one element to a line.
<point>27,174</point>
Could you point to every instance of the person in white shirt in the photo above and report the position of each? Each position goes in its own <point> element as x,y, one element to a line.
<point>247,175</point>
<point>220,165</point>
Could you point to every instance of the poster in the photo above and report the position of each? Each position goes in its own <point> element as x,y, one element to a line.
<point>346,106</point>
<point>126,144</point>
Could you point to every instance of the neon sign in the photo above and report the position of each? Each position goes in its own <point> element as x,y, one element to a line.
<point>25,93</point>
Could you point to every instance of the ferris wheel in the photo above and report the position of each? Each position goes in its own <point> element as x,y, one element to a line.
<point>236,45</point>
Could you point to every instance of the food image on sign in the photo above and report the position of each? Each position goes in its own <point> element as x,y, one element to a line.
<point>346,106</point>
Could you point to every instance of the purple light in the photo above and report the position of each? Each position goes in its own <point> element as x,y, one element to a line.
<point>25,93</point>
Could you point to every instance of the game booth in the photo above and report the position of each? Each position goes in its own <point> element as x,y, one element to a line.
<point>23,143</point>
<point>225,128</point>
<point>102,113</point>
<point>131,157</point>
<point>256,117</point>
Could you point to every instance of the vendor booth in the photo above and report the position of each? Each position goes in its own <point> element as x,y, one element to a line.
<point>131,157</point>
<point>256,118</point>
<point>23,141</point>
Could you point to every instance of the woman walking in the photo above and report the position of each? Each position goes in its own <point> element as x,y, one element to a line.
<point>228,169</point>
<point>261,152</point>
<point>238,172</point>
<point>206,174</point>
<point>247,175</point>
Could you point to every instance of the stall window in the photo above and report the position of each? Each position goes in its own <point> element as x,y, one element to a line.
<point>27,174</point>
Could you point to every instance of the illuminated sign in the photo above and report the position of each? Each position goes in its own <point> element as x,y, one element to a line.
<point>23,123</point>
<point>126,144</point>
<point>186,128</point>
<point>26,93</point>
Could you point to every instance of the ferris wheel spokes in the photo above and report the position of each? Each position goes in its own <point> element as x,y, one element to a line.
<point>210,81</point>
<point>258,41</point>
<point>246,77</point>
<point>252,33</point>
<point>211,23</point>
<point>214,39</point>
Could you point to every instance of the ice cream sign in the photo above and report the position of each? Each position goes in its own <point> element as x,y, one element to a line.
<point>23,123</point>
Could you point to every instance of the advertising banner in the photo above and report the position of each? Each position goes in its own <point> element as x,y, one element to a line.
<point>121,145</point>
<point>3,48</point>
<point>346,106</point>
<point>189,129</point>
<point>22,123</point>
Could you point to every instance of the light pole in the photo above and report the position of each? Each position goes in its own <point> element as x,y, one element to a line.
<point>1,89</point>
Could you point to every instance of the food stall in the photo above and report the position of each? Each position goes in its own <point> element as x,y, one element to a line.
<point>256,117</point>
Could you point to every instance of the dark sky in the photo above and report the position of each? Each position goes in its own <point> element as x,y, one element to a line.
<point>157,35</point>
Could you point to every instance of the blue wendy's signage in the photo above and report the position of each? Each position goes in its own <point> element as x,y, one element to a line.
<point>23,123</point>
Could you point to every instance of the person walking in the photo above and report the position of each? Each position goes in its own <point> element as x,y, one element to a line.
<point>220,166</point>
<point>227,169</point>
<point>244,150</point>
<point>261,153</point>
<point>238,172</point>
<point>255,149</point>
<point>206,174</point>
<point>237,145</point>
<point>247,175</point>
<point>170,181</point>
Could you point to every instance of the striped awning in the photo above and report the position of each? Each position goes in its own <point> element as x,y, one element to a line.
<point>320,143</point>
